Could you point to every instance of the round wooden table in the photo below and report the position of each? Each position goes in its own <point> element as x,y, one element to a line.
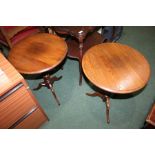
<point>38,54</point>
<point>81,39</point>
<point>115,68</point>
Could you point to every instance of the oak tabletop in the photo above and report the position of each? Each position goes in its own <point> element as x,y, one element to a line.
<point>116,68</point>
<point>38,53</point>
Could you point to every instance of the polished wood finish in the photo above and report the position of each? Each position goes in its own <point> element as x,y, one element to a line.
<point>10,35</point>
<point>9,77</point>
<point>115,68</point>
<point>151,116</point>
<point>83,37</point>
<point>35,120</point>
<point>73,46</point>
<point>14,106</point>
<point>16,100</point>
<point>75,31</point>
<point>11,91</point>
<point>76,50</point>
<point>39,53</point>
<point>14,31</point>
<point>48,82</point>
<point>105,99</point>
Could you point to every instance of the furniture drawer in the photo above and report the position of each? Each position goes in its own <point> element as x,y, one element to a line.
<point>14,106</point>
<point>32,121</point>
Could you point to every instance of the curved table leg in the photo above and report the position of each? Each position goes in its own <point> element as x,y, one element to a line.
<point>105,99</point>
<point>39,86</point>
<point>48,82</point>
<point>55,96</point>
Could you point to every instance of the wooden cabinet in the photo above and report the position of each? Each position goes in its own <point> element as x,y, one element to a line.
<point>34,120</point>
<point>18,106</point>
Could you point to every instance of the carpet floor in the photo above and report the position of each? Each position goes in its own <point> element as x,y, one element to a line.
<point>78,111</point>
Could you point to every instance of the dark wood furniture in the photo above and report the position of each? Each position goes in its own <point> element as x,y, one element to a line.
<point>10,35</point>
<point>150,120</point>
<point>115,68</point>
<point>151,116</point>
<point>18,106</point>
<point>81,38</point>
<point>38,54</point>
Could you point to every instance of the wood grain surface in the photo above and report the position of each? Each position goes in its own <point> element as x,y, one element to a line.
<point>116,68</point>
<point>14,107</point>
<point>38,53</point>
<point>9,77</point>
<point>34,121</point>
<point>90,40</point>
<point>16,100</point>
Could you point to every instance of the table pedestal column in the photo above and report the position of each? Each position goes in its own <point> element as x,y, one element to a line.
<point>48,82</point>
<point>81,37</point>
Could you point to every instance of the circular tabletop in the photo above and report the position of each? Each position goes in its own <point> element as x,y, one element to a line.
<point>38,53</point>
<point>116,68</point>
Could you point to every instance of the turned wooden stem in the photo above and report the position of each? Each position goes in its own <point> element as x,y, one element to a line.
<point>48,82</point>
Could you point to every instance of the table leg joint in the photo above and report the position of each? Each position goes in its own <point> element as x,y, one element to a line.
<point>48,82</point>
<point>105,99</point>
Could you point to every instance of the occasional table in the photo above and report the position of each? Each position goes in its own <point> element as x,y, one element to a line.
<point>39,54</point>
<point>82,38</point>
<point>115,68</point>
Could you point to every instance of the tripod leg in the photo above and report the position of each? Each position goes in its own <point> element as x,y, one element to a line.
<point>105,99</point>
<point>39,86</point>
<point>107,108</point>
<point>96,94</point>
<point>54,78</point>
<point>54,94</point>
<point>48,81</point>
